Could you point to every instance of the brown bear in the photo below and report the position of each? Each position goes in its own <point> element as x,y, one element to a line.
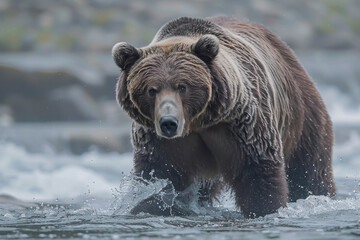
<point>226,101</point>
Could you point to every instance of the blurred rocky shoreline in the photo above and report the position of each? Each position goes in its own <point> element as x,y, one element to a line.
<point>72,88</point>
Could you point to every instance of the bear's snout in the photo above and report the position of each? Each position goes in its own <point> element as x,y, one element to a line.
<point>169,116</point>
<point>168,125</point>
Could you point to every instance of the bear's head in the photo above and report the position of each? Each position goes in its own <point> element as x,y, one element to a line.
<point>167,85</point>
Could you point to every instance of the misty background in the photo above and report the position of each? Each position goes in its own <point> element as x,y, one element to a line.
<point>57,76</point>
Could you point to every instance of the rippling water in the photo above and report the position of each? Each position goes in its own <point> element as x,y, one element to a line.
<point>313,218</point>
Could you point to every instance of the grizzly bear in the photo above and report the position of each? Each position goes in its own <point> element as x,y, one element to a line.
<point>226,101</point>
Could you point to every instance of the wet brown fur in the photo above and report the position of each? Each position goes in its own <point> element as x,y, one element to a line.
<point>255,118</point>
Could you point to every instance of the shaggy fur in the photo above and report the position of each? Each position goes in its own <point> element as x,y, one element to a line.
<point>252,115</point>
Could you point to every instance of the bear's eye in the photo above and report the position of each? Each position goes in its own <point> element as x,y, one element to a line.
<point>152,92</point>
<point>181,89</point>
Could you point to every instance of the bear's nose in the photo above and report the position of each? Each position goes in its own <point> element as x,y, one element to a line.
<point>168,125</point>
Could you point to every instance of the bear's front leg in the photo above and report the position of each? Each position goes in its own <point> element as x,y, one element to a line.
<point>261,188</point>
<point>152,158</point>
<point>150,165</point>
<point>178,160</point>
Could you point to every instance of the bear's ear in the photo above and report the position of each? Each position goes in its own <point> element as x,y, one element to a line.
<point>207,47</point>
<point>125,55</point>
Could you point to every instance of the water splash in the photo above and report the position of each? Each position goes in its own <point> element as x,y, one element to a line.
<point>134,190</point>
<point>158,197</point>
<point>315,205</point>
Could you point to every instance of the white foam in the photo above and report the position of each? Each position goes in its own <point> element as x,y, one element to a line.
<point>47,176</point>
<point>66,182</point>
<point>315,205</point>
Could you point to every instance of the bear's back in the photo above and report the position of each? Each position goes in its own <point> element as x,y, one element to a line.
<point>195,27</point>
<point>189,27</point>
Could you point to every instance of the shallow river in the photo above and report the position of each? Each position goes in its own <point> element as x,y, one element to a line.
<point>313,218</point>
